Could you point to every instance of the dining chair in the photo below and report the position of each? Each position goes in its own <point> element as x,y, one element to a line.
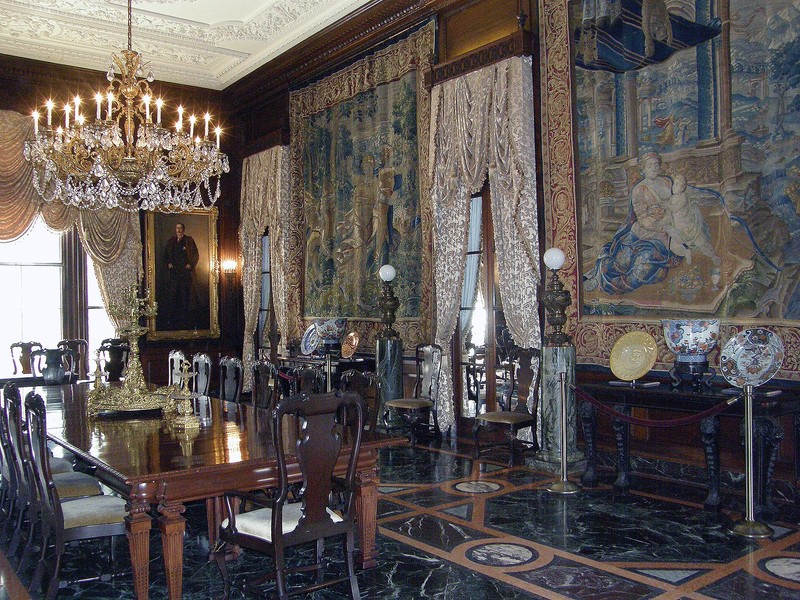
<point>114,354</point>
<point>265,387</point>
<point>61,521</point>
<point>8,473</point>
<point>231,378</point>
<point>21,356</point>
<point>53,365</point>
<point>310,380</point>
<point>367,385</point>
<point>315,429</point>
<point>80,349</point>
<point>514,415</point>
<point>419,413</point>
<point>70,484</point>
<point>176,359</point>
<point>201,367</point>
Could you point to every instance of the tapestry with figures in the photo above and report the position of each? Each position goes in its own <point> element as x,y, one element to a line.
<point>359,155</point>
<point>689,158</point>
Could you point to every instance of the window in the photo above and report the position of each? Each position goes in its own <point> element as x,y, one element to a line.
<point>100,326</point>
<point>30,269</point>
<point>33,302</point>
<point>264,311</point>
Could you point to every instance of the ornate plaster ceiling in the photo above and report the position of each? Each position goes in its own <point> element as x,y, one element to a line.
<point>206,43</point>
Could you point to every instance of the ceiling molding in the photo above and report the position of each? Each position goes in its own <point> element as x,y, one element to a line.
<point>205,43</point>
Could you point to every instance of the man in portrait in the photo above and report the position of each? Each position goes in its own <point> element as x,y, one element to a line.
<point>180,257</point>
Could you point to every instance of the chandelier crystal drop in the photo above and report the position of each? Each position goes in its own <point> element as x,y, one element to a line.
<point>124,158</point>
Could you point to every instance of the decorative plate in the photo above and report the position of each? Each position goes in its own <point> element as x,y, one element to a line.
<point>310,340</point>
<point>751,357</point>
<point>633,355</point>
<point>350,344</point>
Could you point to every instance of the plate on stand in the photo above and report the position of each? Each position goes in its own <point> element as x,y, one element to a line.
<point>310,340</point>
<point>349,344</point>
<point>751,357</point>
<point>633,355</point>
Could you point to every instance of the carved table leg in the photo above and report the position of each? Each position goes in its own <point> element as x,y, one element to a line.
<point>367,516</point>
<point>588,417</point>
<point>173,526</point>
<point>621,432</point>
<point>138,523</point>
<point>709,430</point>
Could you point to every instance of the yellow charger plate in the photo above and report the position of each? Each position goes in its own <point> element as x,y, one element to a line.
<point>633,355</point>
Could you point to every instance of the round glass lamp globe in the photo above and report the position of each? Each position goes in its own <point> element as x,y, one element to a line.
<point>387,273</point>
<point>554,258</point>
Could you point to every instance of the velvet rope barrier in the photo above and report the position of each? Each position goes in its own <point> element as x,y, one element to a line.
<point>655,423</point>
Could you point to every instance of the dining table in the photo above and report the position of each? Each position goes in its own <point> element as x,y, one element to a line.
<point>159,467</point>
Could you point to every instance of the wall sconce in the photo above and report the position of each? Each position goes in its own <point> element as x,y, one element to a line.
<point>556,300</point>
<point>229,269</point>
<point>388,302</point>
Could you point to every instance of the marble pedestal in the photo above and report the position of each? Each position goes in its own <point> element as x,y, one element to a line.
<point>389,369</point>
<point>555,360</point>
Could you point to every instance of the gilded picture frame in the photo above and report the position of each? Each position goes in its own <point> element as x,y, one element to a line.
<point>185,292</point>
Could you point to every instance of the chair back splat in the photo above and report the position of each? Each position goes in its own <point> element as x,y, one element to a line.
<point>264,384</point>
<point>367,385</point>
<point>176,359</point>
<point>201,367</point>
<point>231,378</point>
<point>315,429</point>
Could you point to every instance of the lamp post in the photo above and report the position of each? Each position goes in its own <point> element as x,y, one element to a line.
<point>558,375</point>
<point>389,345</point>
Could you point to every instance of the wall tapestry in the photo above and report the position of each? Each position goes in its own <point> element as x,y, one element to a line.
<point>359,142</point>
<point>689,159</point>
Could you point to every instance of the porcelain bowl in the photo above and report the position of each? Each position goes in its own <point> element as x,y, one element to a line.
<point>693,337</point>
<point>330,331</point>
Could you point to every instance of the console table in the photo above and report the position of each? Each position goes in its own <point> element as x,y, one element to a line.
<point>768,432</point>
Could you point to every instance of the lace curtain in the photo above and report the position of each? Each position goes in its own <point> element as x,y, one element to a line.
<point>111,237</point>
<point>264,204</point>
<point>483,122</point>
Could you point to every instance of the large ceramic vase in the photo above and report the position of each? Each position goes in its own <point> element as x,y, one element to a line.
<point>691,340</point>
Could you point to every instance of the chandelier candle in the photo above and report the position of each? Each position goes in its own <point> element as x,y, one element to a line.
<point>126,160</point>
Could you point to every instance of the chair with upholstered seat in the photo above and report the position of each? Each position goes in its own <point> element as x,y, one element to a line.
<point>265,387</point>
<point>367,385</point>
<point>21,356</point>
<point>514,415</point>
<point>419,412</point>
<point>114,354</point>
<point>317,428</point>
<point>201,369</point>
<point>25,513</point>
<point>231,378</point>
<point>60,522</point>
<point>176,359</point>
<point>80,353</point>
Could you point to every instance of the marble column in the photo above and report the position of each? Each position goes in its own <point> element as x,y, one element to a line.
<point>555,360</point>
<point>389,369</point>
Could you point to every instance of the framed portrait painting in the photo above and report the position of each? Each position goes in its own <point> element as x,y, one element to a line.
<point>182,274</point>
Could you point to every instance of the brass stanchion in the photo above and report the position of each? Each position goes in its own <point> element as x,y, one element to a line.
<point>565,486</point>
<point>749,527</point>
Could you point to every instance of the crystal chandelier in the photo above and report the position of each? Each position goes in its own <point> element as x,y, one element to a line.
<point>125,160</point>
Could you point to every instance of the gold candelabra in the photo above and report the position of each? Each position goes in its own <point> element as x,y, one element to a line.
<point>134,394</point>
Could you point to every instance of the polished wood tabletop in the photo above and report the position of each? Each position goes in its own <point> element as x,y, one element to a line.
<point>159,467</point>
